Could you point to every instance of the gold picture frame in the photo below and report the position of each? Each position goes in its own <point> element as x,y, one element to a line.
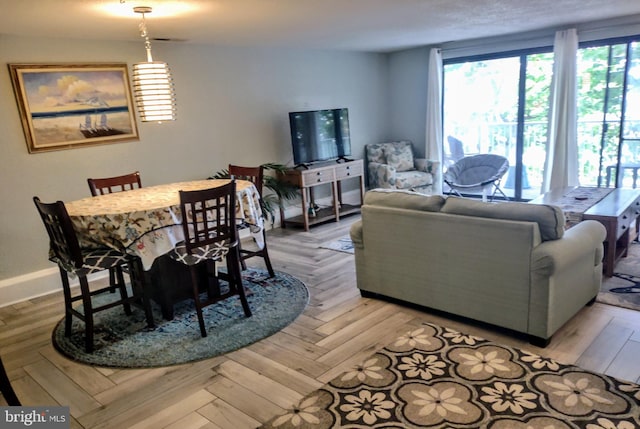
<point>64,106</point>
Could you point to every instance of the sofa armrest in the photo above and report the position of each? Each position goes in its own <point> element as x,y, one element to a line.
<point>430,166</point>
<point>551,256</point>
<point>356,234</point>
<point>381,175</point>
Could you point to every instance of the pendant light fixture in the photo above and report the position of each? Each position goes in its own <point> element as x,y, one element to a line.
<point>152,83</point>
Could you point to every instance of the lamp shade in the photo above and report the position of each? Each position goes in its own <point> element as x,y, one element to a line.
<point>153,91</point>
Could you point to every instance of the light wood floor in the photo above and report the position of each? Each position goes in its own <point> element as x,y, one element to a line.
<point>247,387</point>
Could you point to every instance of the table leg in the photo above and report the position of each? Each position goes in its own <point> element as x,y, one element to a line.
<point>171,283</point>
<point>624,243</point>
<point>614,248</point>
<point>160,277</point>
<point>305,209</point>
<point>609,251</point>
<point>336,205</point>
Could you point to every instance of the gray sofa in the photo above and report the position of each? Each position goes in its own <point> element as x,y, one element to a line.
<point>508,264</point>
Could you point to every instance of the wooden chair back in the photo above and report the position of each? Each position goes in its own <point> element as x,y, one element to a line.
<point>209,217</point>
<point>62,236</point>
<point>252,174</point>
<point>256,176</point>
<point>108,185</point>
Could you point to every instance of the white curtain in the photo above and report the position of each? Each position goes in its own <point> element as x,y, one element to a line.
<point>434,113</point>
<point>561,165</point>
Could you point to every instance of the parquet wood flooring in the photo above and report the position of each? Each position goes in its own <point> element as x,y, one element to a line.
<point>249,386</point>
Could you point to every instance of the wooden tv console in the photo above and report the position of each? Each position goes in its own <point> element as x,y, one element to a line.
<point>327,174</point>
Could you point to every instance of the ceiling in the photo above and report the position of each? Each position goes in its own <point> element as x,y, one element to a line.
<point>364,25</point>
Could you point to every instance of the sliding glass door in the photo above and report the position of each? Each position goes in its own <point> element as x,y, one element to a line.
<point>609,113</point>
<point>499,105</point>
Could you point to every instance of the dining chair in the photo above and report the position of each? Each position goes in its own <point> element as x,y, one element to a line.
<point>256,176</point>
<point>6,389</point>
<point>80,262</point>
<point>210,236</point>
<point>108,185</point>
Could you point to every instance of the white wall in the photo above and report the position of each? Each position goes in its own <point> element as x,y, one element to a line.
<point>408,96</point>
<point>232,107</point>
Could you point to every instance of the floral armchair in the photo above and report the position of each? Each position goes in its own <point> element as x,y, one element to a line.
<point>392,165</point>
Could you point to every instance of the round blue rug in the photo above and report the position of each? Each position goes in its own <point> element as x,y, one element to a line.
<point>125,341</point>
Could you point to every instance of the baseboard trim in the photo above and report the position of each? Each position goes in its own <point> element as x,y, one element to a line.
<point>33,285</point>
<point>30,285</point>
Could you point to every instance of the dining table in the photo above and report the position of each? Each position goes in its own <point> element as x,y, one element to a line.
<point>147,222</point>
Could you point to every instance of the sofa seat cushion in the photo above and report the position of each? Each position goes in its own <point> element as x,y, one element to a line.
<point>413,179</point>
<point>550,219</point>
<point>404,200</point>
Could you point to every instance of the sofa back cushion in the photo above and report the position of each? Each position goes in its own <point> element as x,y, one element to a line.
<point>399,157</point>
<point>550,219</point>
<point>404,200</point>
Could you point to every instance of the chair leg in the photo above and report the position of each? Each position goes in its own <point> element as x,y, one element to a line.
<point>233,266</point>
<point>68,314</point>
<point>88,313</point>
<point>452,190</point>
<point>267,261</point>
<point>213,282</point>
<point>196,299</point>
<point>6,388</point>
<point>112,280</point>
<point>242,262</point>
<point>123,290</point>
<point>455,192</point>
<point>499,189</point>
<point>263,253</point>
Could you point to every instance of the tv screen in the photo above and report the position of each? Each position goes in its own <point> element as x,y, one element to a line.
<point>320,135</point>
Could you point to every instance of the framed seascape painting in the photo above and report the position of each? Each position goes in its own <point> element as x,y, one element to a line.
<point>63,106</point>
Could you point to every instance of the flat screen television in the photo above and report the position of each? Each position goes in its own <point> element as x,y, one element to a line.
<point>320,135</point>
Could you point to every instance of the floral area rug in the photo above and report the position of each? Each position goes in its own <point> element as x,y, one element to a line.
<point>436,377</point>
<point>125,341</point>
<point>343,244</point>
<point>623,289</point>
